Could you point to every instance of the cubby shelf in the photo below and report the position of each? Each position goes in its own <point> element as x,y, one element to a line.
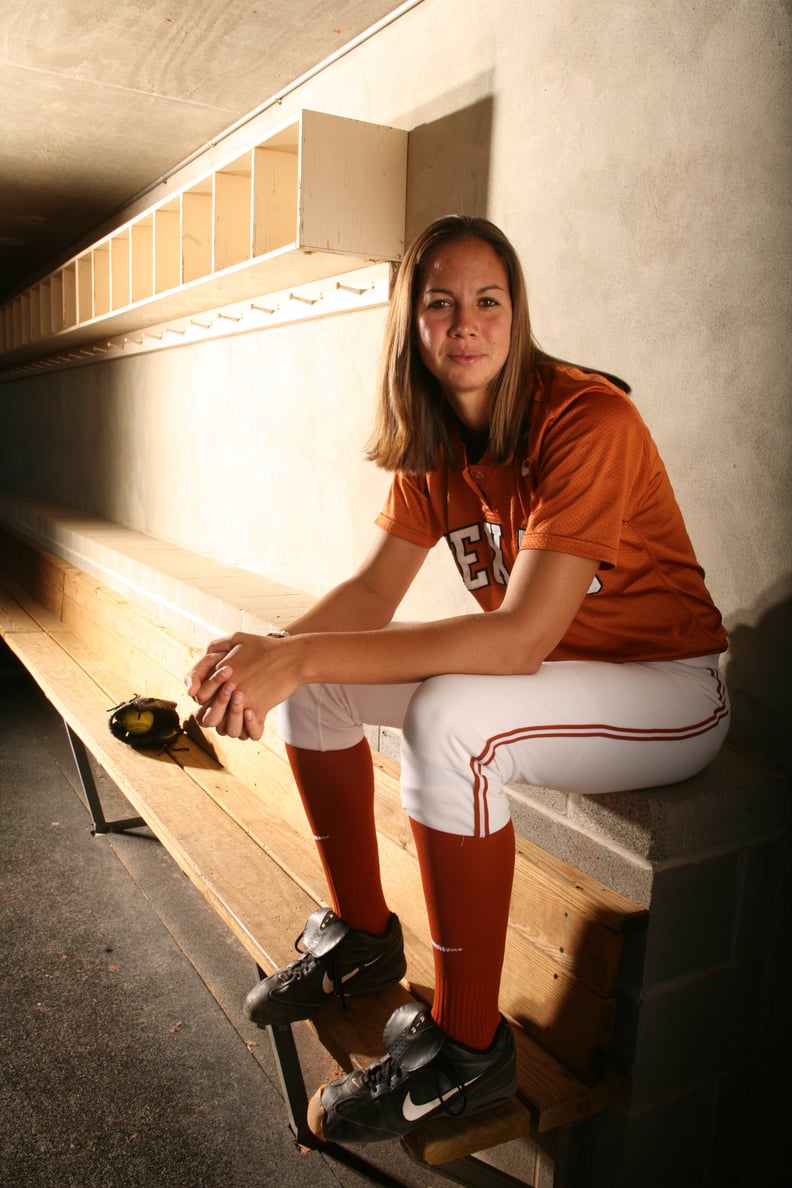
<point>320,196</point>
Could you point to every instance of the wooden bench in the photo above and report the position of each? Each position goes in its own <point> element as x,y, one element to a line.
<point>229,815</point>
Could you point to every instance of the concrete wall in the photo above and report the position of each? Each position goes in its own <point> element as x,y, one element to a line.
<point>638,156</point>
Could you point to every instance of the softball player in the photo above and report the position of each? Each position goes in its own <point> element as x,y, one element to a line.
<point>594,668</point>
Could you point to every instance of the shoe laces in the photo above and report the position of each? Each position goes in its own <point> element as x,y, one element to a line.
<point>299,968</point>
<point>389,1072</point>
<point>307,963</point>
<point>383,1072</point>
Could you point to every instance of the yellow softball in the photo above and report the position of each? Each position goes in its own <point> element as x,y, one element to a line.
<point>137,721</point>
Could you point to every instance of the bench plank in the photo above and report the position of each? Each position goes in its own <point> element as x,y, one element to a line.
<point>437,1142</point>
<point>121,631</point>
<point>17,599</point>
<point>42,572</point>
<point>13,617</point>
<point>115,685</point>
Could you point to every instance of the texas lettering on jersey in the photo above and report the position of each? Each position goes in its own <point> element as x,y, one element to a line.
<point>478,555</point>
<point>478,552</point>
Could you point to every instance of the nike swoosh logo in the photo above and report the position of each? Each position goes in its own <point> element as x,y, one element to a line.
<point>414,1111</point>
<point>328,987</point>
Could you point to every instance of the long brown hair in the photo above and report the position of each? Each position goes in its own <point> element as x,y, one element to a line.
<point>412,415</point>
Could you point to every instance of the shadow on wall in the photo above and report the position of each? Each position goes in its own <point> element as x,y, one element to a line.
<point>448,166</point>
<point>757,673</point>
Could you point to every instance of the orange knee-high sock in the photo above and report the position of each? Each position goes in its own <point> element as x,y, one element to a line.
<point>337,791</point>
<point>467,883</point>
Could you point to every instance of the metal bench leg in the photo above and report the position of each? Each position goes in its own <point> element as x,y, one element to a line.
<point>293,1085</point>
<point>100,823</point>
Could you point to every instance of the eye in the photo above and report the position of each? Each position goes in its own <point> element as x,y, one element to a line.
<point>439,303</point>
<point>489,302</point>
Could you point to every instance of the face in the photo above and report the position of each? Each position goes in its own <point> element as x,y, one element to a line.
<point>463,316</point>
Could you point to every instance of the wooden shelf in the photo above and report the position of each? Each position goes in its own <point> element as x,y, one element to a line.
<point>321,195</point>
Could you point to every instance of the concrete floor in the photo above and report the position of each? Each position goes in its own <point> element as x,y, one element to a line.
<point>125,1057</point>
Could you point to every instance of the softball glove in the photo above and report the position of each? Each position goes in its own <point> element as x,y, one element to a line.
<point>145,723</point>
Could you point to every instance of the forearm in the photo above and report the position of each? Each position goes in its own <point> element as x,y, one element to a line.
<point>544,594</point>
<point>347,607</point>
<point>412,652</point>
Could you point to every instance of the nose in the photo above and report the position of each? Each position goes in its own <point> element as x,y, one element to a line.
<point>464,321</point>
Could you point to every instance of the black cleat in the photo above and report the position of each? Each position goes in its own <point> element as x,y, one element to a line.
<point>424,1074</point>
<point>338,961</point>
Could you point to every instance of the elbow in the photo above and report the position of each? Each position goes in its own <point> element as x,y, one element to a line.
<point>524,666</point>
<point>517,647</point>
<point>520,656</point>
<point>520,661</point>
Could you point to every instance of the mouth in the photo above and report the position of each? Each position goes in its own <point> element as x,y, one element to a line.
<point>465,359</point>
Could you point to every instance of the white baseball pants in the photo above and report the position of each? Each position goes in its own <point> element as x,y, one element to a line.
<point>576,726</point>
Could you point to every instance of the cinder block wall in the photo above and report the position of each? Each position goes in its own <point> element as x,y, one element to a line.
<point>703,996</point>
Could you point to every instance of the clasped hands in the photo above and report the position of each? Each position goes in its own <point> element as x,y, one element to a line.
<point>237,682</point>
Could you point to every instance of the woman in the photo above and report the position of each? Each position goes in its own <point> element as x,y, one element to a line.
<point>595,669</point>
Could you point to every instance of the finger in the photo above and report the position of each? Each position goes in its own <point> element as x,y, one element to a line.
<point>214,711</point>
<point>234,724</point>
<point>212,685</point>
<point>200,717</point>
<point>225,644</point>
<point>253,724</point>
<point>221,730</point>
<point>197,675</point>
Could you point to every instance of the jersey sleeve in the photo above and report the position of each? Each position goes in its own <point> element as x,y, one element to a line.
<point>587,463</point>
<point>409,512</point>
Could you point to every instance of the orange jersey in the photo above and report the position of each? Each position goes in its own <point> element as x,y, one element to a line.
<point>590,483</point>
